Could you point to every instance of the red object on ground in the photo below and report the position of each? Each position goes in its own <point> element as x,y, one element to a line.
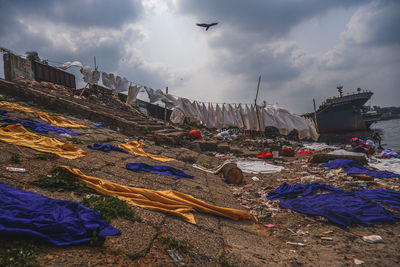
<point>305,152</point>
<point>288,152</point>
<point>195,134</point>
<point>265,155</point>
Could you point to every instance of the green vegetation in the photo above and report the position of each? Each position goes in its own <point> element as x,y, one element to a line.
<point>223,260</point>
<point>205,165</point>
<point>61,180</point>
<point>75,140</point>
<point>172,243</point>
<point>47,156</point>
<point>111,207</point>
<point>15,157</point>
<point>18,253</point>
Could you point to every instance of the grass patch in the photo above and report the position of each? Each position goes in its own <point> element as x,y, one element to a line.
<point>61,180</point>
<point>223,260</point>
<point>111,207</point>
<point>15,157</point>
<point>172,243</point>
<point>47,156</point>
<point>205,165</point>
<point>75,140</point>
<point>18,253</point>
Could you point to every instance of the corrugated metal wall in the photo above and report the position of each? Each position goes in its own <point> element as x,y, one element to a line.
<point>50,74</point>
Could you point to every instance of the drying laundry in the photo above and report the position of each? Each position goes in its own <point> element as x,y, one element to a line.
<point>18,135</point>
<point>3,113</point>
<point>305,152</point>
<point>387,153</point>
<point>169,201</point>
<point>257,167</point>
<point>107,148</point>
<point>40,127</point>
<point>90,75</point>
<point>160,169</point>
<point>352,167</point>
<point>291,191</point>
<point>135,147</point>
<point>388,197</point>
<point>69,64</point>
<point>341,208</point>
<point>391,165</point>
<point>60,222</point>
<point>53,120</point>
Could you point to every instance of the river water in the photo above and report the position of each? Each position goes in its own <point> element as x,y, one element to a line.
<point>390,133</point>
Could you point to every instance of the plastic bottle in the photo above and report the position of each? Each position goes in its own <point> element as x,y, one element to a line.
<point>12,169</point>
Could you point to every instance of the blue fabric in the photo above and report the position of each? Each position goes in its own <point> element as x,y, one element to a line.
<point>59,222</point>
<point>387,153</point>
<point>98,124</point>
<point>161,169</point>
<point>3,113</point>
<point>341,208</point>
<point>352,167</point>
<point>291,191</point>
<point>106,148</point>
<point>388,197</point>
<point>40,127</point>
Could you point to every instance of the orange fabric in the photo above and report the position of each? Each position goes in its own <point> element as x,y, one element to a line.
<point>195,134</point>
<point>135,147</point>
<point>168,201</point>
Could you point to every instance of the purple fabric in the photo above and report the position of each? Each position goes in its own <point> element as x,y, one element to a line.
<point>161,169</point>
<point>291,191</point>
<point>40,127</point>
<point>352,167</point>
<point>3,113</point>
<point>59,222</point>
<point>388,197</point>
<point>341,208</point>
<point>107,148</point>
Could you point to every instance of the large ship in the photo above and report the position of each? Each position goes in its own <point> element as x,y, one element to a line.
<point>343,113</point>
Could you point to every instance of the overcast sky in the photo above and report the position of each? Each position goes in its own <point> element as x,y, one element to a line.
<point>301,49</point>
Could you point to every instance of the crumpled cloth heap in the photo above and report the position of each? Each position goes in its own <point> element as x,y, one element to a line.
<point>53,120</point>
<point>290,191</point>
<point>18,135</point>
<point>59,222</point>
<point>354,168</point>
<point>135,147</point>
<point>106,148</point>
<point>168,201</point>
<point>3,113</point>
<point>387,153</point>
<point>160,169</point>
<point>40,127</point>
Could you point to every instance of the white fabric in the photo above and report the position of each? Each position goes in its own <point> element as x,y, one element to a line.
<point>219,117</point>
<point>257,167</point>
<point>238,116</point>
<point>342,152</point>
<point>317,146</point>
<point>313,130</point>
<point>211,116</point>
<point>69,64</point>
<point>391,165</point>
<point>132,94</point>
<point>158,95</point>
<point>229,118</point>
<point>90,76</point>
<point>108,80</point>
<point>121,84</point>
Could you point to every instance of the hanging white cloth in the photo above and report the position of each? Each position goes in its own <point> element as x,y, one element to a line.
<point>90,76</point>
<point>121,84</point>
<point>313,130</point>
<point>229,118</point>
<point>108,80</point>
<point>219,117</point>
<point>69,64</point>
<point>238,116</point>
<point>132,94</point>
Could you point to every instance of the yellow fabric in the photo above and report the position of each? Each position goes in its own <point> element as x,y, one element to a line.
<point>18,135</point>
<point>168,201</point>
<point>135,147</point>
<point>53,120</point>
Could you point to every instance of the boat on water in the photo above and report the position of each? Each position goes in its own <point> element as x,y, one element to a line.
<point>344,113</point>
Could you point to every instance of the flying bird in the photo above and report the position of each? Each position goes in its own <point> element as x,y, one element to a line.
<point>205,25</point>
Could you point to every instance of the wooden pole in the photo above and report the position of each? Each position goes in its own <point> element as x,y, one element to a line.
<point>165,107</point>
<point>315,115</point>
<point>258,116</point>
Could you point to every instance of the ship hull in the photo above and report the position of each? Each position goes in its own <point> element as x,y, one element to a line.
<point>343,120</point>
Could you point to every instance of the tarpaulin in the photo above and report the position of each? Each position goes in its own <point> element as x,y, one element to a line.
<point>135,147</point>
<point>352,167</point>
<point>169,201</point>
<point>107,148</point>
<point>40,127</point>
<point>53,120</point>
<point>3,113</point>
<point>388,197</point>
<point>291,191</point>
<point>59,222</point>
<point>161,169</point>
<point>341,208</point>
<point>18,135</point>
